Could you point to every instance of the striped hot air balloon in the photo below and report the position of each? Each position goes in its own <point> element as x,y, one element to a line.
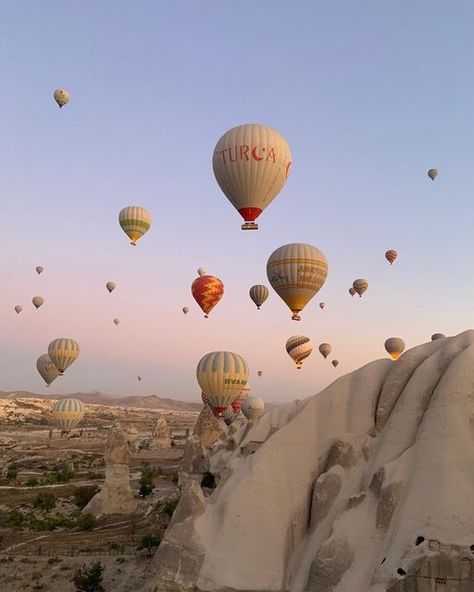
<point>258,294</point>
<point>325,349</point>
<point>251,164</point>
<point>253,408</point>
<point>135,221</point>
<point>360,286</point>
<point>63,352</point>
<point>68,413</point>
<point>222,375</point>
<point>204,398</point>
<point>228,416</point>
<point>391,255</point>
<point>207,290</point>
<point>61,97</point>
<point>299,348</point>
<point>297,272</point>
<point>47,369</point>
<point>243,396</point>
<point>395,347</point>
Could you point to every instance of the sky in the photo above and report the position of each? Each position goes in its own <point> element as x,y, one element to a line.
<point>368,95</point>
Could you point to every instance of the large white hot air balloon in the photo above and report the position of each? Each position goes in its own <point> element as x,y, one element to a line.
<point>251,164</point>
<point>63,352</point>
<point>253,408</point>
<point>297,272</point>
<point>222,375</point>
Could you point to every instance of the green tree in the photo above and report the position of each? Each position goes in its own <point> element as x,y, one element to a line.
<point>86,522</point>
<point>44,501</point>
<point>149,542</point>
<point>89,578</point>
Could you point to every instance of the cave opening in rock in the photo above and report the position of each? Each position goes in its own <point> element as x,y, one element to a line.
<point>419,540</point>
<point>209,481</point>
<point>401,571</point>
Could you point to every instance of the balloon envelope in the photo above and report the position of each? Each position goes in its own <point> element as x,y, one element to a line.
<point>322,305</point>
<point>207,290</point>
<point>18,309</point>
<point>37,301</point>
<point>185,309</point>
<point>297,272</point>
<point>352,291</point>
<point>335,363</point>
<point>299,348</point>
<point>395,347</point>
<point>432,174</point>
<point>391,255</point>
<point>47,369</point>
<point>135,222</point>
<point>251,164</point>
<point>258,294</point>
<point>360,286</point>
<point>116,321</point>
<point>228,416</point>
<point>222,376</point>
<point>253,408</point>
<point>110,286</point>
<point>39,269</point>
<point>201,271</point>
<point>68,413</point>
<point>63,352</point>
<point>61,97</point>
<point>325,349</point>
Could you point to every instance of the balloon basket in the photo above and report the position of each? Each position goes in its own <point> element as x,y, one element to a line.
<point>296,317</point>
<point>249,226</point>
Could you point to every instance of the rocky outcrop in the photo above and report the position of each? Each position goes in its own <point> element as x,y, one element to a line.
<point>366,487</point>
<point>207,427</point>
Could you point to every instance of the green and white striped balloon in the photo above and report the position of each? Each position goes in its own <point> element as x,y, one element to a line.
<point>68,413</point>
<point>135,221</point>
<point>63,352</point>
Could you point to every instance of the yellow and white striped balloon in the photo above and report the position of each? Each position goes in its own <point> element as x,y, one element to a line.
<point>68,413</point>
<point>251,164</point>
<point>258,294</point>
<point>325,349</point>
<point>299,348</point>
<point>47,369</point>
<point>253,408</point>
<point>135,221</point>
<point>395,347</point>
<point>297,272</point>
<point>222,376</point>
<point>63,352</point>
<point>61,97</point>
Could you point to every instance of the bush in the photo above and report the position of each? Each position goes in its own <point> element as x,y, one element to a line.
<point>169,506</point>
<point>11,519</point>
<point>12,472</point>
<point>44,501</point>
<point>149,542</point>
<point>148,475</point>
<point>83,495</point>
<point>89,578</point>
<point>32,482</point>
<point>145,490</point>
<point>52,522</point>
<point>86,522</point>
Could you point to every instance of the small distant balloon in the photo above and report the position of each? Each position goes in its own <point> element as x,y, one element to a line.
<point>37,301</point>
<point>360,286</point>
<point>139,378</point>
<point>299,348</point>
<point>201,271</point>
<point>253,408</point>
<point>391,255</point>
<point>39,269</point>
<point>135,222</point>
<point>335,363</point>
<point>322,305</point>
<point>110,286</point>
<point>432,174</point>
<point>258,294</point>
<point>185,309</point>
<point>325,349</point>
<point>61,97</point>
<point>436,336</point>
<point>116,321</point>
<point>352,291</point>
<point>260,373</point>
<point>395,347</point>
<point>18,309</point>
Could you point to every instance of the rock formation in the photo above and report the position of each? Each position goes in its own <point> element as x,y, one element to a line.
<point>161,433</point>
<point>116,496</point>
<point>207,427</point>
<point>366,487</point>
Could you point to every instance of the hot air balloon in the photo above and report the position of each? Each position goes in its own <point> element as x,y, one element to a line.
<point>258,294</point>
<point>63,352</point>
<point>395,347</point>
<point>61,97</point>
<point>135,221</point>
<point>207,290</point>
<point>432,174</point>
<point>18,309</point>
<point>228,416</point>
<point>139,378</point>
<point>322,305</point>
<point>201,271</point>
<point>116,321</point>
<point>260,373</point>
<point>335,363</point>
<point>253,408</point>
<point>325,349</point>
<point>243,396</point>
<point>352,291</point>
<point>39,269</point>
<point>299,348</point>
<point>47,369</point>
<point>204,398</point>
<point>436,336</point>
<point>391,255</point>
<point>185,309</point>
<point>297,272</point>
<point>360,286</point>
<point>251,164</point>
<point>110,286</point>
<point>222,376</point>
<point>37,301</point>
<point>68,413</point>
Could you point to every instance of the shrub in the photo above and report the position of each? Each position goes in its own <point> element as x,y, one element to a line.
<point>149,542</point>
<point>32,482</point>
<point>83,495</point>
<point>89,578</point>
<point>169,506</point>
<point>86,522</point>
<point>148,475</point>
<point>44,501</point>
<point>12,472</point>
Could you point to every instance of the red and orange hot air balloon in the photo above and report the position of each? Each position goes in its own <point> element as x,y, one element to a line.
<point>207,290</point>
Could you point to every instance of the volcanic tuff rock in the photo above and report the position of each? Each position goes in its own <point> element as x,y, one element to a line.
<point>366,487</point>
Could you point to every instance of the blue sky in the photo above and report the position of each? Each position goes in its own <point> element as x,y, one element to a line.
<point>369,96</point>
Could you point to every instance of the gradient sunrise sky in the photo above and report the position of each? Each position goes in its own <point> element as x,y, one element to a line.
<point>369,95</point>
